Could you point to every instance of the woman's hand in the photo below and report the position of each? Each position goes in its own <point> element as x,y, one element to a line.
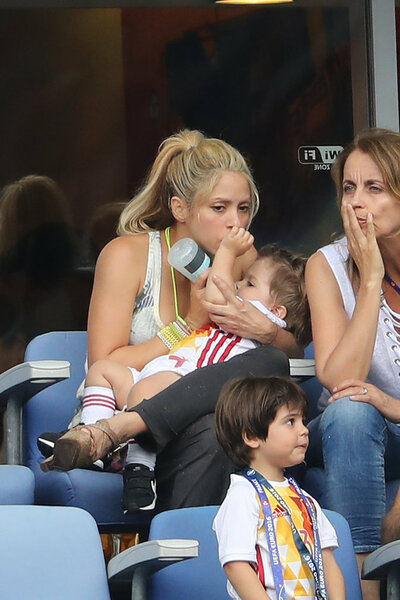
<point>362,246</point>
<point>359,391</point>
<point>239,316</point>
<point>197,315</point>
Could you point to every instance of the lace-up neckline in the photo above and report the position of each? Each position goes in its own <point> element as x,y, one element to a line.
<point>392,322</point>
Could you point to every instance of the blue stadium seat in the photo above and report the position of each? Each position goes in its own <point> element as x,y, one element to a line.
<point>51,552</point>
<point>203,578</point>
<point>51,409</point>
<point>17,485</point>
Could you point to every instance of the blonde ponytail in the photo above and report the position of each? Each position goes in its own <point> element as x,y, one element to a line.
<point>187,165</point>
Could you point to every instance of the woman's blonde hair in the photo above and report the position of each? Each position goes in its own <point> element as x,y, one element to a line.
<point>188,165</point>
<point>383,146</point>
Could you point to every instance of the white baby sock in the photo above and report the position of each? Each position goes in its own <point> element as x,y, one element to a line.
<point>98,403</point>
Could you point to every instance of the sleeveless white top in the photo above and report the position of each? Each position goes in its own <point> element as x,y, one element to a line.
<point>385,364</point>
<point>146,321</point>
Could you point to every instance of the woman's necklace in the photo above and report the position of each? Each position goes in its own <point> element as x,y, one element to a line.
<point>392,283</point>
<point>174,286</point>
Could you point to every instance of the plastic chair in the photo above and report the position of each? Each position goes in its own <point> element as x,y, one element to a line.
<point>345,555</point>
<point>384,565</point>
<point>51,409</point>
<point>56,552</point>
<point>51,552</point>
<point>204,579</point>
<point>17,485</point>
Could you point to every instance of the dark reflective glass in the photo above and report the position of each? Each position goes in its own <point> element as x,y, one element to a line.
<point>86,96</point>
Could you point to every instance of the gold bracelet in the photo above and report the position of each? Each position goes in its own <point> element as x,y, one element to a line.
<point>173,333</point>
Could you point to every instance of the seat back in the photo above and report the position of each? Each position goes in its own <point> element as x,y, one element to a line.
<point>203,578</point>
<point>17,485</point>
<point>50,552</point>
<point>53,408</point>
<point>345,556</point>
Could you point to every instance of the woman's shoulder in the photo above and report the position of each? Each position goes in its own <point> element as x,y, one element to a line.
<point>125,246</point>
<point>122,253</point>
<point>336,251</point>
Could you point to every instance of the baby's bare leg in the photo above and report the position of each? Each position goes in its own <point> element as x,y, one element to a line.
<point>150,386</point>
<point>110,374</point>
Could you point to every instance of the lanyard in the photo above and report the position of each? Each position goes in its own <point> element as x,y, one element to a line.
<point>315,563</point>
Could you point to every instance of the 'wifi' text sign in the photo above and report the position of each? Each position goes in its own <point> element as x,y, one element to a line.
<point>320,156</point>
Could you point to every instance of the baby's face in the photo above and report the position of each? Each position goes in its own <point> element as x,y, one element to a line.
<point>256,283</point>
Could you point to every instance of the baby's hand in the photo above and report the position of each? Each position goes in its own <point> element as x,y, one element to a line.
<point>238,241</point>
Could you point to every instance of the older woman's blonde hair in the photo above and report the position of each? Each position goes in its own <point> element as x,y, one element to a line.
<point>188,165</point>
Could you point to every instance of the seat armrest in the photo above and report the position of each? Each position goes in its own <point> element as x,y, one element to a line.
<point>29,378</point>
<point>17,385</point>
<point>134,567</point>
<point>380,562</point>
<point>302,368</point>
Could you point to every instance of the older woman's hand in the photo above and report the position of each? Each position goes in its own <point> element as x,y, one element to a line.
<point>359,391</point>
<point>362,246</point>
<point>240,317</point>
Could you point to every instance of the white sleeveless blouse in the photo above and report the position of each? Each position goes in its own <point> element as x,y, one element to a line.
<point>385,364</point>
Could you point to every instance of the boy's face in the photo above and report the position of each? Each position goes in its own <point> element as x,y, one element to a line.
<point>256,283</point>
<point>287,439</point>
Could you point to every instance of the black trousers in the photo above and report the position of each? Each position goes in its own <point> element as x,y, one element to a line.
<point>191,468</point>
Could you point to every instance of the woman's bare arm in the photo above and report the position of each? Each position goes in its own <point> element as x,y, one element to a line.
<point>360,391</point>
<point>343,346</point>
<point>118,279</point>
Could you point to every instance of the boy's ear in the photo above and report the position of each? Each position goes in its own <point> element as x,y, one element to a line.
<point>179,209</point>
<point>279,310</point>
<point>251,442</point>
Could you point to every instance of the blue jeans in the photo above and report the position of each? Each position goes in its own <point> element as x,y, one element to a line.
<point>359,449</point>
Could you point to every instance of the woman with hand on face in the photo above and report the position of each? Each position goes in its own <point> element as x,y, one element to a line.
<point>355,311</point>
<point>198,188</point>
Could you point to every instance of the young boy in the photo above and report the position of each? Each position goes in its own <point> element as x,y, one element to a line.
<point>274,541</point>
<point>274,283</point>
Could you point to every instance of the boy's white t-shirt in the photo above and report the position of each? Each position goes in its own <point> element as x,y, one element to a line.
<point>239,528</point>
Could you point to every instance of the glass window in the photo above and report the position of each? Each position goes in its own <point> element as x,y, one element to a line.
<point>86,97</point>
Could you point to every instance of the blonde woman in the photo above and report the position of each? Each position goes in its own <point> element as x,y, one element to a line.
<point>200,188</point>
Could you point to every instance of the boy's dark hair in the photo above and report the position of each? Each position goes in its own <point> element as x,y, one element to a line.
<point>248,406</point>
<point>288,288</point>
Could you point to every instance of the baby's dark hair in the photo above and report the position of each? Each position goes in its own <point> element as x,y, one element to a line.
<point>288,288</point>
<point>248,406</point>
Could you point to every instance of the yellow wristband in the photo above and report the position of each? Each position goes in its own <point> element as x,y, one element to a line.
<point>173,333</point>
